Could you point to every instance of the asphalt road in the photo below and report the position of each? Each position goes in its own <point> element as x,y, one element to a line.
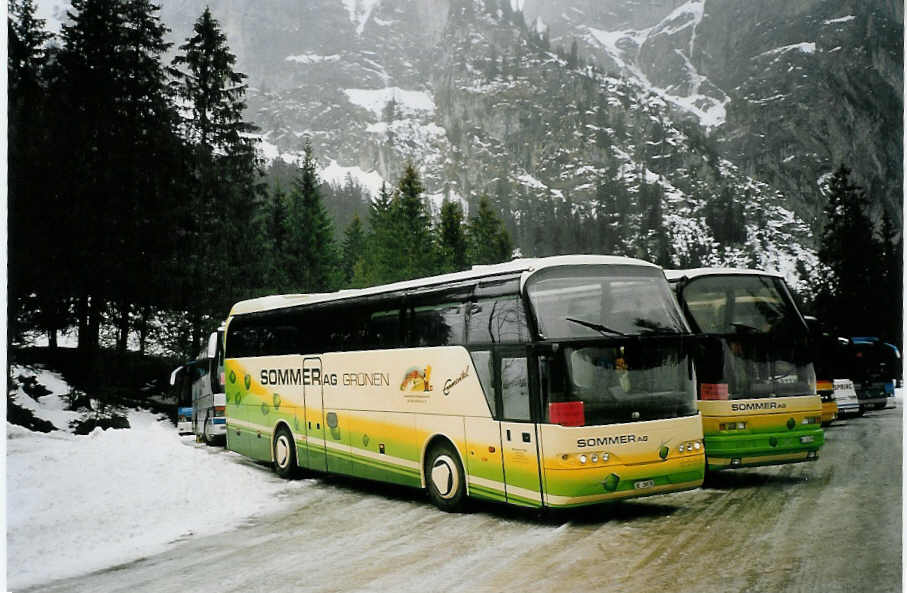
<point>832,525</point>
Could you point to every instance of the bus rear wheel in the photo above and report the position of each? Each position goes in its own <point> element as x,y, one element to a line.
<point>207,428</point>
<point>284,454</point>
<point>445,478</point>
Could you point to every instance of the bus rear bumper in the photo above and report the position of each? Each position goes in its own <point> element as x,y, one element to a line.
<point>731,452</point>
<point>573,488</point>
<point>848,408</point>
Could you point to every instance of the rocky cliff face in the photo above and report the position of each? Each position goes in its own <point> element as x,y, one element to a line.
<point>690,102</point>
<point>788,89</point>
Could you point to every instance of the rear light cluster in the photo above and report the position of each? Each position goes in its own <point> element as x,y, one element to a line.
<point>732,426</point>
<point>690,447</point>
<point>219,411</point>
<point>588,458</point>
<point>567,413</point>
<point>810,420</point>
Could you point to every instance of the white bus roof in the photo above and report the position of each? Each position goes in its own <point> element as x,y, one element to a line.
<point>673,275</point>
<point>477,272</point>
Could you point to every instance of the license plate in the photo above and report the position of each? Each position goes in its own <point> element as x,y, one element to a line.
<point>806,439</point>
<point>643,484</point>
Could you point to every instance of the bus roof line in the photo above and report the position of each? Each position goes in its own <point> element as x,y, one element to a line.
<point>478,272</point>
<point>676,275</point>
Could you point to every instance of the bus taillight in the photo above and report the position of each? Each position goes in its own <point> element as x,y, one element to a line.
<point>219,411</point>
<point>567,413</point>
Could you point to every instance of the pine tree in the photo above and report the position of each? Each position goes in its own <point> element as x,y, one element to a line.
<point>378,262</point>
<point>226,188</point>
<point>312,262</point>
<point>353,250</point>
<point>850,254</point>
<point>122,165</point>
<point>275,241</point>
<point>31,211</point>
<point>890,310</point>
<point>413,245</point>
<point>489,242</point>
<point>452,238</point>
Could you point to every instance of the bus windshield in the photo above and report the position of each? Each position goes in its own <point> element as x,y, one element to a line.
<point>760,344</point>
<point>592,301</point>
<point>622,354</point>
<point>738,304</point>
<point>622,380</point>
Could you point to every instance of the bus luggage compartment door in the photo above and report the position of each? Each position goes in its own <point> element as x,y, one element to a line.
<point>521,463</point>
<point>316,456</point>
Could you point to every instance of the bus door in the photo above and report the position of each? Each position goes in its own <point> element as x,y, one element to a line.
<point>313,403</point>
<point>519,437</point>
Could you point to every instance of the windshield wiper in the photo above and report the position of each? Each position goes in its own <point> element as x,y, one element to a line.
<point>596,326</point>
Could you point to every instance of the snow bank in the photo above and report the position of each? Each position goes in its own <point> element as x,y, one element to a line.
<point>81,503</point>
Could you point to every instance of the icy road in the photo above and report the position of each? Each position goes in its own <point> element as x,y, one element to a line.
<point>832,525</point>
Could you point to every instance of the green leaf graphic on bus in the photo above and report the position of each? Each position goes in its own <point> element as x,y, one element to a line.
<point>238,397</point>
<point>248,381</point>
<point>663,452</point>
<point>276,401</point>
<point>264,408</point>
<point>232,376</point>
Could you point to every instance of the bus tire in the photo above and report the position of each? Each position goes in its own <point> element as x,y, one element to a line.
<point>284,453</point>
<point>445,478</point>
<point>206,434</point>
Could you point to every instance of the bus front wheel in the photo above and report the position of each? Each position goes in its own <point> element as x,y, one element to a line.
<point>445,478</point>
<point>284,453</point>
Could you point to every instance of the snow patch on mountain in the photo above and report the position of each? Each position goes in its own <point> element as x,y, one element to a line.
<point>686,15</point>
<point>843,19</point>
<point>807,47</point>
<point>360,11</point>
<point>337,174</point>
<point>623,47</point>
<point>310,58</point>
<point>407,102</point>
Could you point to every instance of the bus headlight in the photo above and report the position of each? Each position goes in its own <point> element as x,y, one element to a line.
<point>594,458</point>
<point>696,445</point>
<point>582,459</point>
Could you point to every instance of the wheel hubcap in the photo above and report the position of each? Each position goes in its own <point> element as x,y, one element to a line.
<point>282,451</point>
<point>444,476</point>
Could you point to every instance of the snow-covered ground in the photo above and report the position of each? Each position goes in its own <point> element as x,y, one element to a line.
<point>81,503</point>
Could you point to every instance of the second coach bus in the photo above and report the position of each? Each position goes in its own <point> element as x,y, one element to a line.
<point>757,383</point>
<point>552,382</point>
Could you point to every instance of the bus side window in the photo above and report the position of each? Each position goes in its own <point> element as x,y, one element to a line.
<point>500,320</point>
<point>436,325</point>
<point>515,388</point>
<point>384,329</point>
<point>483,361</point>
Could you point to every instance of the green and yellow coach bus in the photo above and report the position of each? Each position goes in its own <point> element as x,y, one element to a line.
<point>757,383</point>
<point>553,382</point>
